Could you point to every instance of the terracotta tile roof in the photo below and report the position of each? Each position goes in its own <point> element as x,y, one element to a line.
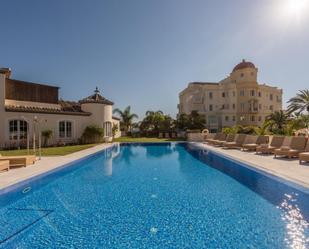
<point>96,98</point>
<point>67,108</point>
<point>116,118</point>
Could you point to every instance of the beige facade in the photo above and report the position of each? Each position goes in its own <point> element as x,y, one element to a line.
<point>21,121</point>
<point>236,100</point>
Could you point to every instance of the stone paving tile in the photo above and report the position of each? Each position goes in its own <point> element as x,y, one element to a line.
<point>289,169</point>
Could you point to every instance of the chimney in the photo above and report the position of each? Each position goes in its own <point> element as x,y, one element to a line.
<point>6,72</point>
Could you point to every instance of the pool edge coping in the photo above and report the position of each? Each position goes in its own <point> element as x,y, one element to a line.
<point>292,182</point>
<point>23,181</point>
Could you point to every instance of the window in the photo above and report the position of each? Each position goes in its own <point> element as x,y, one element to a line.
<point>65,129</point>
<point>260,118</point>
<point>271,108</point>
<point>223,106</point>
<point>252,118</point>
<point>226,118</point>
<point>234,106</point>
<point>107,129</point>
<point>252,93</point>
<point>260,94</point>
<point>227,106</point>
<point>18,129</point>
<point>233,93</point>
<point>210,107</point>
<point>210,95</point>
<point>260,106</point>
<point>241,75</point>
<point>242,93</point>
<point>242,106</point>
<point>223,95</point>
<point>271,96</point>
<point>212,119</point>
<point>234,118</point>
<point>252,73</point>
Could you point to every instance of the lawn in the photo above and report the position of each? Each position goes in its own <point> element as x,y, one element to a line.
<point>50,151</point>
<point>146,139</point>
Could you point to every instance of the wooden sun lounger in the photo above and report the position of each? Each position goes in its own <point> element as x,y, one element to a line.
<point>229,138</point>
<point>4,165</point>
<point>221,138</point>
<point>259,140</point>
<point>211,137</point>
<point>276,143</point>
<point>17,161</point>
<point>297,145</point>
<point>237,144</point>
<point>303,157</point>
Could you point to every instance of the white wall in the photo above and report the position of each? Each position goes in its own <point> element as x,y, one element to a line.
<point>2,111</point>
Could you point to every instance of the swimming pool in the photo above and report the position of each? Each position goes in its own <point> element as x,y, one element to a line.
<point>169,195</point>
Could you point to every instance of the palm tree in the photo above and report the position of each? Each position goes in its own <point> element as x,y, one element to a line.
<point>153,119</point>
<point>126,118</point>
<point>277,121</point>
<point>300,103</point>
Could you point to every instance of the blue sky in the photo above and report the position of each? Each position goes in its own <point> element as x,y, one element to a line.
<point>144,52</point>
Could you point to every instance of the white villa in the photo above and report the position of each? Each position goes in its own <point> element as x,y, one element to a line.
<point>27,109</point>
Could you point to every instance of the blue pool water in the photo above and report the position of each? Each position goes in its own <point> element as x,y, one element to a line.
<point>154,196</point>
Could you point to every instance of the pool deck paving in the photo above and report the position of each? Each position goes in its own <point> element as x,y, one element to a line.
<point>288,169</point>
<point>19,174</point>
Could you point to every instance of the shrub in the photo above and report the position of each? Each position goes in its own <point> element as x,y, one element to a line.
<point>47,134</point>
<point>92,134</point>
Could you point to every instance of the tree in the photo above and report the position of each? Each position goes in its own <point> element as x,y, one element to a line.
<point>126,118</point>
<point>277,122</point>
<point>47,134</point>
<point>156,121</point>
<point>192,121</point>
<point>152,121</point>
<point>300,103</point>
<point>114,130</point>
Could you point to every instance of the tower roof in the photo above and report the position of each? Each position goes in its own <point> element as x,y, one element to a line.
<point>243,64</point>
<point>96,98</point>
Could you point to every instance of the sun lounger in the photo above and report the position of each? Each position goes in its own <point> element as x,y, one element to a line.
<point>252,146</point>
<point>209,136</point>
<point>167,135</point>
<point>160,135</point>
<point>212,136</point>
<point>303,157</point>
<point>276,143</point>
<point>174,135</point>
<point>229,138</point>
<point>237,144</point>
<point>16,161</point>
<point>297,145</point>
<point>4,165</point>
<point>221,138</point>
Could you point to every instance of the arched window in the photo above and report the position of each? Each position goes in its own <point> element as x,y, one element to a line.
<point>18,129</point>
<point>65,129</point>
<point>107,129</point>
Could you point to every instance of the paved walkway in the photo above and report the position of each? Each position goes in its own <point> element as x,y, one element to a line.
<point>16,175</point>
<point>289,169</point>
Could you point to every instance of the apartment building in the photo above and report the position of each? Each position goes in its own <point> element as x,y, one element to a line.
<point>236,100</point>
